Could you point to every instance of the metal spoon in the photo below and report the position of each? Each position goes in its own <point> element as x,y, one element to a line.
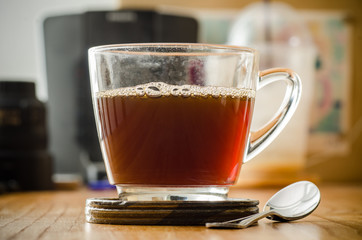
<point>293,202</point>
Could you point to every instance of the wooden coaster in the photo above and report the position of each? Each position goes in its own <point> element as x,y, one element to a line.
<point>115,211</point>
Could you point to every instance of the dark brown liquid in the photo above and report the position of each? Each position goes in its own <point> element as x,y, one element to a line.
<point>173,140</point>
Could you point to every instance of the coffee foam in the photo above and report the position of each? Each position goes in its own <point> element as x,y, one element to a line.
<point>159,89</point>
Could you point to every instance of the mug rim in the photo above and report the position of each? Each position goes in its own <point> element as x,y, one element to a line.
<point>201,47</point>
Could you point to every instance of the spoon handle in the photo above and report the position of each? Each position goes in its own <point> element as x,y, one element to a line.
<point>244,223</point>
<point>255,218</point>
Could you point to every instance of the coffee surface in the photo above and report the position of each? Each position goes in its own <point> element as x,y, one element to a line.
<point>163,135</point>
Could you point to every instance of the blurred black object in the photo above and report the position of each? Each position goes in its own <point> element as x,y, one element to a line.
<point>24,161</point>
<point>67,39</point>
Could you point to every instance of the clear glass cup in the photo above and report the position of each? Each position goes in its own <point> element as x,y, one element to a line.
<point>174,120</point>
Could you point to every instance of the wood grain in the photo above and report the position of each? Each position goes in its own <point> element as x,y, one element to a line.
<point>60,215</point>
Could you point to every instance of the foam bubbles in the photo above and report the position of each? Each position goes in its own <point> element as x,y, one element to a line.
<point>159,89</point>
<point>153,91</point>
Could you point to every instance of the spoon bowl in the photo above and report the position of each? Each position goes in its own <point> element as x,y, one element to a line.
<point>293,202</point>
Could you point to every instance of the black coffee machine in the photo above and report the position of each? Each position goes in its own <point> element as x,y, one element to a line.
<point>67,38</point>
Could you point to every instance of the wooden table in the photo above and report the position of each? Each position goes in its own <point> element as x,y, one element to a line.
<point>60,215</point>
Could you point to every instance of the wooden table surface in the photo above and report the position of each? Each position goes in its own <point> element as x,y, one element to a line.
<point>60,215</point>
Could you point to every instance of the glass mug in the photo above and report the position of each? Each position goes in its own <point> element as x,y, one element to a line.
<point>174,120</point>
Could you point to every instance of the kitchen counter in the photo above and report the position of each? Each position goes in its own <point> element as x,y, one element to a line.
<point>60,215</point>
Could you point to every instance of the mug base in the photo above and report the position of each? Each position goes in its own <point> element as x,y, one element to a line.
<point>208,193</point>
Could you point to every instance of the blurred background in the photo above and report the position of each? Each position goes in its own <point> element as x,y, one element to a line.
<point>47,133</point>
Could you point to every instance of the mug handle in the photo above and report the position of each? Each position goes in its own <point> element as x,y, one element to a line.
<point>261,138</point>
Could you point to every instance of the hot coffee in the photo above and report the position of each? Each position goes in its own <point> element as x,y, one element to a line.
<point>164,135</point>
